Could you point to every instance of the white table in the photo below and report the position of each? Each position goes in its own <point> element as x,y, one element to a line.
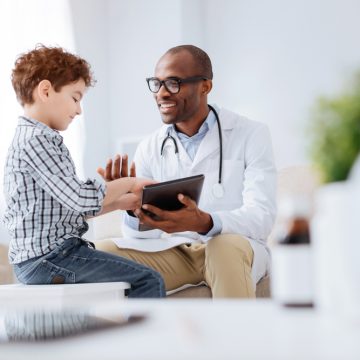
<point>62,294</point>
<point>205,329</point>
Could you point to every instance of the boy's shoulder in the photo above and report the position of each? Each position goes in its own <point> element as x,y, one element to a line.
<point>30,131</point>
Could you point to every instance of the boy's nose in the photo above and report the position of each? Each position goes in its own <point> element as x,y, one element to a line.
<point>78,110</point>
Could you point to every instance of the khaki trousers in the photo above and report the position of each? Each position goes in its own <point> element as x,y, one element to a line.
<point>224,263</point>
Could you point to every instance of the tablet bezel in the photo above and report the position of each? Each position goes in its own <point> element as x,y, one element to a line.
<point>160,194</point>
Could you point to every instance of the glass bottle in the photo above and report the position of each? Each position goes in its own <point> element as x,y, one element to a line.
<point>292,268</point>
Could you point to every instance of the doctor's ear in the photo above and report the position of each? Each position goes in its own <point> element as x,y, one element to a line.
<point>206,87</point>
<point>43,89</point>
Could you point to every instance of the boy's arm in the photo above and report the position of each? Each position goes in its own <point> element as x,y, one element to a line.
<point>55,174</point>
<point>53,171</point>
<point>125,202</point>
<point>120,196</point>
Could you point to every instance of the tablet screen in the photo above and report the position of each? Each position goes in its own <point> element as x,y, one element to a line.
<point>164,195</point>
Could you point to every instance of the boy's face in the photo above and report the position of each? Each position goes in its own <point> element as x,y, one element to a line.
<point>64,105</point>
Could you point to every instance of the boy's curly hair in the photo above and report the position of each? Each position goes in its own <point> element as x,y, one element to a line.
<point>47,63</point>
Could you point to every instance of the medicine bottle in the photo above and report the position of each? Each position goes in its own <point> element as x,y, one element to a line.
<point>292,267</point>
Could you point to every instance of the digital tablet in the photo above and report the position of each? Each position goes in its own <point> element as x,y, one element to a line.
<point>164,195</point>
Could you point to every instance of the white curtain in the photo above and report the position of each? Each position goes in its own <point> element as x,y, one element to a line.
<point>23,24</point>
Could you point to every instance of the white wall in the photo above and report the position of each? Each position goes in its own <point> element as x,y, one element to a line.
<point>91,34</point>
<point>23,24</point>
<point>140,31</point>
<point>123,40</point>
<point>273,58</point>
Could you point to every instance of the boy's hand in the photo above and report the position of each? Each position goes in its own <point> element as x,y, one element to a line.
<point>132,200</point>
<point>139,183</point>
<point>129,201</point>
<point>117,169</point>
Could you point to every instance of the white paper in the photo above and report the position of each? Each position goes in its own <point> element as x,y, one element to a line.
<point>151,245</point>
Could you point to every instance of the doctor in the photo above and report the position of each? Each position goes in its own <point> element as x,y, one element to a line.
<point>222,241</point>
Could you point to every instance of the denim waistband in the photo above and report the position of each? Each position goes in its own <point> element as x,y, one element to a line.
<point>66,246</point>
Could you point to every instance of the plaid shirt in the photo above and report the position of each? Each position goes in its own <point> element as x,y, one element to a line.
<point>46,202</point>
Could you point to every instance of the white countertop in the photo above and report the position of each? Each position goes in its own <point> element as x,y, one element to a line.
<point>205,329</point>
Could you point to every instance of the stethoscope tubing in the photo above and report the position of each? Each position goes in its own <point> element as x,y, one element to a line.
<point>220,142</point>
<point>171,138</point>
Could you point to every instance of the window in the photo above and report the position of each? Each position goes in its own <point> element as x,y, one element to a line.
<point>23,24</point>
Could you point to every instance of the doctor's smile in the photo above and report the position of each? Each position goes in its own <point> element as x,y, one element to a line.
<point>166,107</point>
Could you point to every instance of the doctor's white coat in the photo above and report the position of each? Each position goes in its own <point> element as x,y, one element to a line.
<point>249,179</point>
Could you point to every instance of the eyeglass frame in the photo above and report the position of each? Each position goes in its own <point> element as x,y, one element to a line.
<point>178,80</point>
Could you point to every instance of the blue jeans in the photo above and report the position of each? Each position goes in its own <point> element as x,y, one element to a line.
<point>75,261</point>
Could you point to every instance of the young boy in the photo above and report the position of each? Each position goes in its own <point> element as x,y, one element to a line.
<point>47,204</point>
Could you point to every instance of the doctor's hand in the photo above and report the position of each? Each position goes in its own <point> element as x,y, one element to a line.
<point>117,169</point>
<point>188,218</point>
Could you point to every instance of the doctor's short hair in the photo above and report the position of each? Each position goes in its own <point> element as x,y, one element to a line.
<point>200,57</point>
<point>47,63</point>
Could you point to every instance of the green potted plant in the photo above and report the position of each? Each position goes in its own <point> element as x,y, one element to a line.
<point>334,134</point>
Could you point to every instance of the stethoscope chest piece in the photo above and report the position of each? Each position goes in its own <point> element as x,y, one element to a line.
<point>218,190</point>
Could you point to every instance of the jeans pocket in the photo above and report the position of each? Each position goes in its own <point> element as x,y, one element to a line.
<point>45,272</point>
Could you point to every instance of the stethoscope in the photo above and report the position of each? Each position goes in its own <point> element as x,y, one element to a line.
<point>217,189</point>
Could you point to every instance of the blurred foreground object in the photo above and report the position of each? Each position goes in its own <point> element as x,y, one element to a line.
<point>335,134</point>
<point>335,234</point>
<point>292,270</point>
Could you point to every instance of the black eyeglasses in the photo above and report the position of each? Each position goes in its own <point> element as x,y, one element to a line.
<point>172,85</point>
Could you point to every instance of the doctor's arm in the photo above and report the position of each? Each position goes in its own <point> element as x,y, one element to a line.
<point>255,218</point>
<point>189,218</point>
